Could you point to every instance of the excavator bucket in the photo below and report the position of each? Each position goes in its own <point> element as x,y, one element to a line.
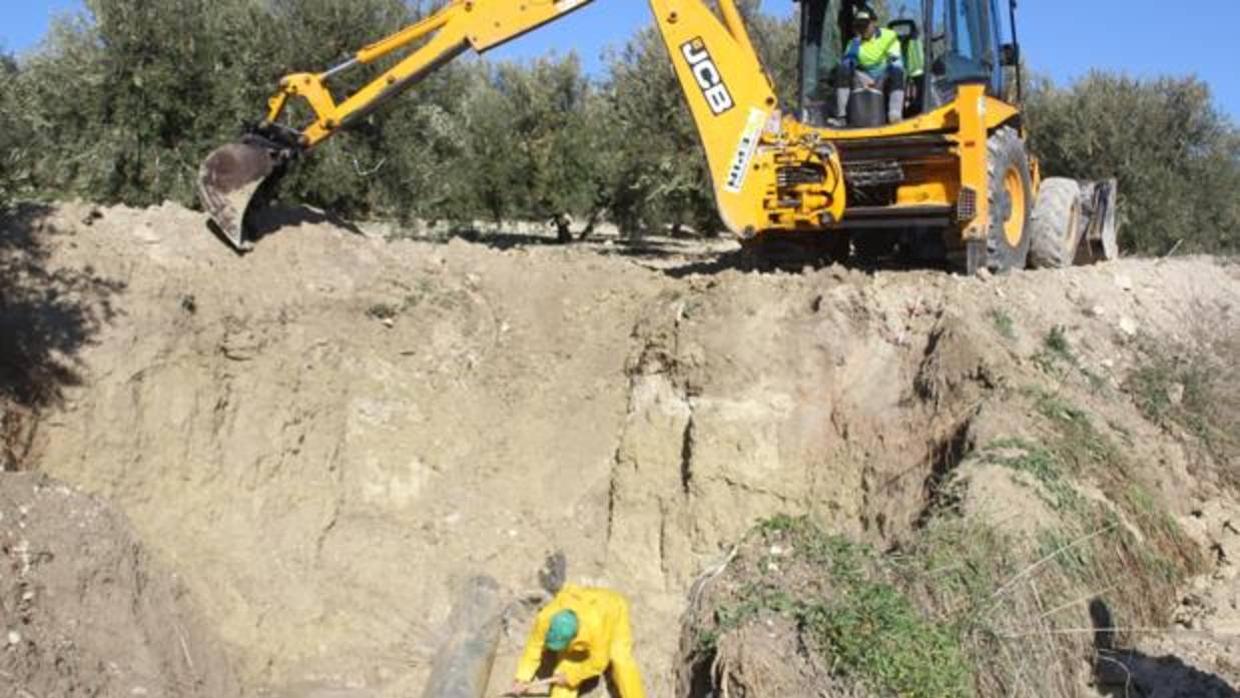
<point>231,176</point>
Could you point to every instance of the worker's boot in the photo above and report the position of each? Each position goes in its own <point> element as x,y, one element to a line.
<point>895,107</point>
<point>840,120</point>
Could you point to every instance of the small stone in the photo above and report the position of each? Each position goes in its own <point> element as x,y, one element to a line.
<point>984,274</point>
<point>14,637</point>
<point>1124,282</point>
<point>1128,326</point>
<point>1175,393</point>
<point>389,322</point>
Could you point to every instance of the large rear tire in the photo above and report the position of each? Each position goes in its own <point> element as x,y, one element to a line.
<point>1056,227</point>
<point>1011,193</point>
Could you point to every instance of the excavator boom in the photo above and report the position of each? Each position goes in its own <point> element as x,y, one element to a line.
<point>763,178</point>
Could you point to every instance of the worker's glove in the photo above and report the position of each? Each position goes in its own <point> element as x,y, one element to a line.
<point>849,65</point>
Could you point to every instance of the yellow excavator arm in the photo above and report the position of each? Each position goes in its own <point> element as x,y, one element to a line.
<point>768,171</point>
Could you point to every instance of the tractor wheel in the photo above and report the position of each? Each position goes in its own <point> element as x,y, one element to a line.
<point>1055,230</point>
<point>1011,198</point>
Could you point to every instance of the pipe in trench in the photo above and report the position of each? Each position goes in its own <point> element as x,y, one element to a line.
<point>462,666</point>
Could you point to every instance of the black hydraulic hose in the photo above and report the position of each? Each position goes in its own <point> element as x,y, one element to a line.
<point>927,66</point>
<point>1020,82</point>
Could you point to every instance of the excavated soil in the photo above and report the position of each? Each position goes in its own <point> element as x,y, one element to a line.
<point>323,438</point>
<point>86,612</point>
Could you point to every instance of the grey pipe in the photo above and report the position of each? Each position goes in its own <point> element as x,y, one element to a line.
<point>462,667</point>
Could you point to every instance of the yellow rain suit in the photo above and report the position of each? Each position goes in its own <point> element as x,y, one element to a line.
<point>604,640</point>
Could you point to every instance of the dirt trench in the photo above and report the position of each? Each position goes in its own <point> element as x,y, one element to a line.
<point>324,437</point>
<point>84,609</point>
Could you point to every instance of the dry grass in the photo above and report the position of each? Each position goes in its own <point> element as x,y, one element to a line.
<point>1194,391</point>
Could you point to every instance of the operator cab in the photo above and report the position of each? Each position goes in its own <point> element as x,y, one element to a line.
<point>943,43</point>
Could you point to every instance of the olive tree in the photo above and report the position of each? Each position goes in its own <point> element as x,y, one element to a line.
<point>14,135</point>
<point>1176,156</point>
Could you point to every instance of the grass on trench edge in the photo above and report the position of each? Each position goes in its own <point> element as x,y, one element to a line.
<point>965,609</point>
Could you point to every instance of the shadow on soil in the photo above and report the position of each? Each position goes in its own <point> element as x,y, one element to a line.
<point>270,219</point>
<point>46,316</point>
<point>680,257</point>
<point>1127,673</point>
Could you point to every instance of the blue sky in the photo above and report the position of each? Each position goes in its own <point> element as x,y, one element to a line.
<point>1062,38</point>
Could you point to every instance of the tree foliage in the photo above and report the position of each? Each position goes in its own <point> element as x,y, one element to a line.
<point>662,175</point>
<point>14,136</point>
<point>535,144</point>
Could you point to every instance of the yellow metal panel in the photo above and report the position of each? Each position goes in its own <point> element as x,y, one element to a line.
<point>971,107</point>
<point>999,113</point>
<point>941,119</point>
<point>494,22</point>
<point>942,191</point>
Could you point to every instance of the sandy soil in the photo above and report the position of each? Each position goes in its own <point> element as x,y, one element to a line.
<point>322,438</point>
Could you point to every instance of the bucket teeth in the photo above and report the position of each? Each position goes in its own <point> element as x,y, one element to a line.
<point>228,181</point>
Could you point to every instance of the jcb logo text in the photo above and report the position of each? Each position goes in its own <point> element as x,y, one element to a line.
<point>707,76</point>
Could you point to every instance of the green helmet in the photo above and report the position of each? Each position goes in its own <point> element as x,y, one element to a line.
<point>562,631</point>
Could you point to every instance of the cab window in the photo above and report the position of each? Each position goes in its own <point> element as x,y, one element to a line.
<point>964,44</point>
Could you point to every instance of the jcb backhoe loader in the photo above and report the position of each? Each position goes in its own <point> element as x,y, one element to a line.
<point>950,179</point>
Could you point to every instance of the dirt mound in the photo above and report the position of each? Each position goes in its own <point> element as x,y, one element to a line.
<point>84,610</point>
<point>324,437</point>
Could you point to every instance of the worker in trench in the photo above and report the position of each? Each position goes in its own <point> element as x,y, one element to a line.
<point>581,634</point>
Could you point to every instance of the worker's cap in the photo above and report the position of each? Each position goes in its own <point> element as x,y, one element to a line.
<point>562,631</point>
<point>864,15</point>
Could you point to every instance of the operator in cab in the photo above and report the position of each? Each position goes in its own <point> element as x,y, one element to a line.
<point>872,61</point>
<point>581,634</point>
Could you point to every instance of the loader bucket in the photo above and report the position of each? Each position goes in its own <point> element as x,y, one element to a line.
<point>1099,243</point>
<point>228,181</point>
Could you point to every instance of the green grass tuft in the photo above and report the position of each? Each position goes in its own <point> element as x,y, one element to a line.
<point>866,628</point>
<point>1004,324</point>
<point>1056,342</point>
